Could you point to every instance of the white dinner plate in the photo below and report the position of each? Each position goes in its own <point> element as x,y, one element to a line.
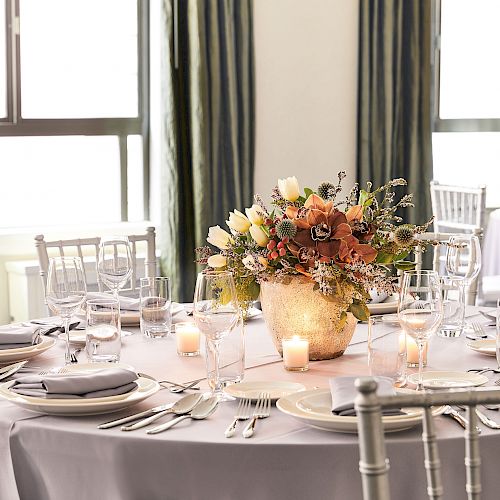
<point>252,390</point>
<point>253,313</point>
<point>487,347</point>
<point>314,408</point>
<point>20,353</point>
<point>77,407</point>
<point>447,380</point>
<point>390,305</point>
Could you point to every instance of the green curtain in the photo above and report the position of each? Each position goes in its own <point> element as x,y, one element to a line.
<point>207,151</point>
<point>394,97</point>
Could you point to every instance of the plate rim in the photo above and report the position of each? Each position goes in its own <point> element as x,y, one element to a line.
<point>41,346</point>
<point>413,378</point>
<point>235,389</point>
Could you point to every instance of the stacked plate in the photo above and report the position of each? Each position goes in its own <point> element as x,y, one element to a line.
<point>314,408</point>
<point>75,407</point>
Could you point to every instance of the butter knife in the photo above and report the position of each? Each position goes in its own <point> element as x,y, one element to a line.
<point>136,416</point>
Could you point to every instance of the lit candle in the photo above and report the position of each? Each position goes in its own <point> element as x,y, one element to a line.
<point>296,354</point>
<point>187,337</point>
<point>412,352</point>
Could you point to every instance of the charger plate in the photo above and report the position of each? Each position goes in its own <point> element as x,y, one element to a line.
<point>485,346</point>
<point>78,407</point>
<point>314,408</point>
<point>252,390</point>
<point>20,353</point>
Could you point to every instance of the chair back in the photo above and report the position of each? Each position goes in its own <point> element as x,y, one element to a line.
<point>434,239</point>
<point>88,248</point>
<point>374,464</point>
<point>458,209</point>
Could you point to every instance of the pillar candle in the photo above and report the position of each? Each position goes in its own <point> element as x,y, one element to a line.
<point>296,353</point>
<point>412,352</point>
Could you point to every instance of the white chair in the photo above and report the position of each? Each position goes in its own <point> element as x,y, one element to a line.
<point>458,209</point>
<point>374,464</point>
<point>472,289</point>
<point>88,248</point>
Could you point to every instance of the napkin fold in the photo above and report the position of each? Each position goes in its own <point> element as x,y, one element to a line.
<point>126,303</point>
<point>344,393</point>
<point>16,336</point>
<point>92,384</point>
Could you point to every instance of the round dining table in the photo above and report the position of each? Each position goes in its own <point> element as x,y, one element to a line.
<point>45,457</point>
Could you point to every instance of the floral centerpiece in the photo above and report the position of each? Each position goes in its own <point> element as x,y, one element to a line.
<point>343,249</point>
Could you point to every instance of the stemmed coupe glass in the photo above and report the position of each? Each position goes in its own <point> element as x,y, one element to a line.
<point>463,261</point>
<point>66,291</point>
<point>420,309</point>
<point>114,264</point>
<point>216,312</point>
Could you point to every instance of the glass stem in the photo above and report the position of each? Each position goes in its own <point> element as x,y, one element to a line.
<point>421,345</point>
<point>67,356</point>
<point>216,351</point>
<point>461,300</point>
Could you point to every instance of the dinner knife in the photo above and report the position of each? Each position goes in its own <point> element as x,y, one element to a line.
<point>136,416</point>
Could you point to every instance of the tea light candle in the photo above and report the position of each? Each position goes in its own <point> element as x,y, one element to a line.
<point>296,354</point>
<point>412,352</point>
<point>187,337</point>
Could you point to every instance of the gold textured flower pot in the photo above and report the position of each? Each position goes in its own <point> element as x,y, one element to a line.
<point>293,307</point>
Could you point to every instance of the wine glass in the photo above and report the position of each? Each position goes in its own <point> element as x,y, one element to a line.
<point>216,312</point>
<point>420,309</point>
<point>463,261</point>
<point>66,291</point>
<point>114,264</point>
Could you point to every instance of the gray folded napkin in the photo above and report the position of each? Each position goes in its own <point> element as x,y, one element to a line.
<point>92,384</point>
<point>344,393</point>
<point>126,303</point>
<point>16,336</point>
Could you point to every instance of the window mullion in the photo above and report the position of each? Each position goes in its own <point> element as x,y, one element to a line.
<point>123,176</point>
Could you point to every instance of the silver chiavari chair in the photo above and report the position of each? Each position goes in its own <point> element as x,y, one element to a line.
<point>374,464</point>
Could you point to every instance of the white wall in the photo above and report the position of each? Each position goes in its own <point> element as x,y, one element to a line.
<point>306,54</point>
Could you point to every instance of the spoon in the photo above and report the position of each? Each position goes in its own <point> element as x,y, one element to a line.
<point>184,405</point>
<point>199,412</point>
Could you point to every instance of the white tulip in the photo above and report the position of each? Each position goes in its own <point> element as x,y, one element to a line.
<point>217,260</point>
<point>238,222</point>
<point>289,188</point>
<point>256,214</point>
<point>259,235</point>
<point>218,237</point>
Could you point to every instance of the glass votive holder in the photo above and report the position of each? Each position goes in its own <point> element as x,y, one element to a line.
<point>412,353</point>
<point>187,339</point>
<point>296,354</point>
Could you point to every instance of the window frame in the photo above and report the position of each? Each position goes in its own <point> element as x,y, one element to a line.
<point>15,125</point>
<point>451,124</point>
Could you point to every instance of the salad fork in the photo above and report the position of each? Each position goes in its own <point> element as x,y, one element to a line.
<point>243,412</point>
<point>262,410</point>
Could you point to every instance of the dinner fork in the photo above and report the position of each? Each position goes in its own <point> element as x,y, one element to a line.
<point>57,371</point>
<point>479,333</point>
<point>262,410</point>
<point>243,412</point>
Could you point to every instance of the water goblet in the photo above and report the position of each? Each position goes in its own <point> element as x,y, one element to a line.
<point>420,310</point>
<point>114,264</point>
<point>216,313</point>
<point>66,291</point>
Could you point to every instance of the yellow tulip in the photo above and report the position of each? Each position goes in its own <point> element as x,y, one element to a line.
<point>259,235</point>
<point>238,222</point>
<point>289,188</point>
<point>256,214</point>
<point>218,237</point>
<point>217,260</point>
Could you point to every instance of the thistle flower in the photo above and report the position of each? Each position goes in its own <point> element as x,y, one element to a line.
<point>286,229</point>
<point>326,190</point>
<point>404,235</point>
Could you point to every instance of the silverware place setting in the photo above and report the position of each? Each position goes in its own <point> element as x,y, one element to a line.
<point>458,417</point>
<point>201,411</point>
<point>243,412</point>
<point>483,418</point>
<point>262,410</point>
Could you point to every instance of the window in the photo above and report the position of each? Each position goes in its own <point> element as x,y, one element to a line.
<point>74,111</point>
<point>466,138</point>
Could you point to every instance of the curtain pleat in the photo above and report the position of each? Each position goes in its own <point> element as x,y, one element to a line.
<point>208,128</point>
<point>394,97</point>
